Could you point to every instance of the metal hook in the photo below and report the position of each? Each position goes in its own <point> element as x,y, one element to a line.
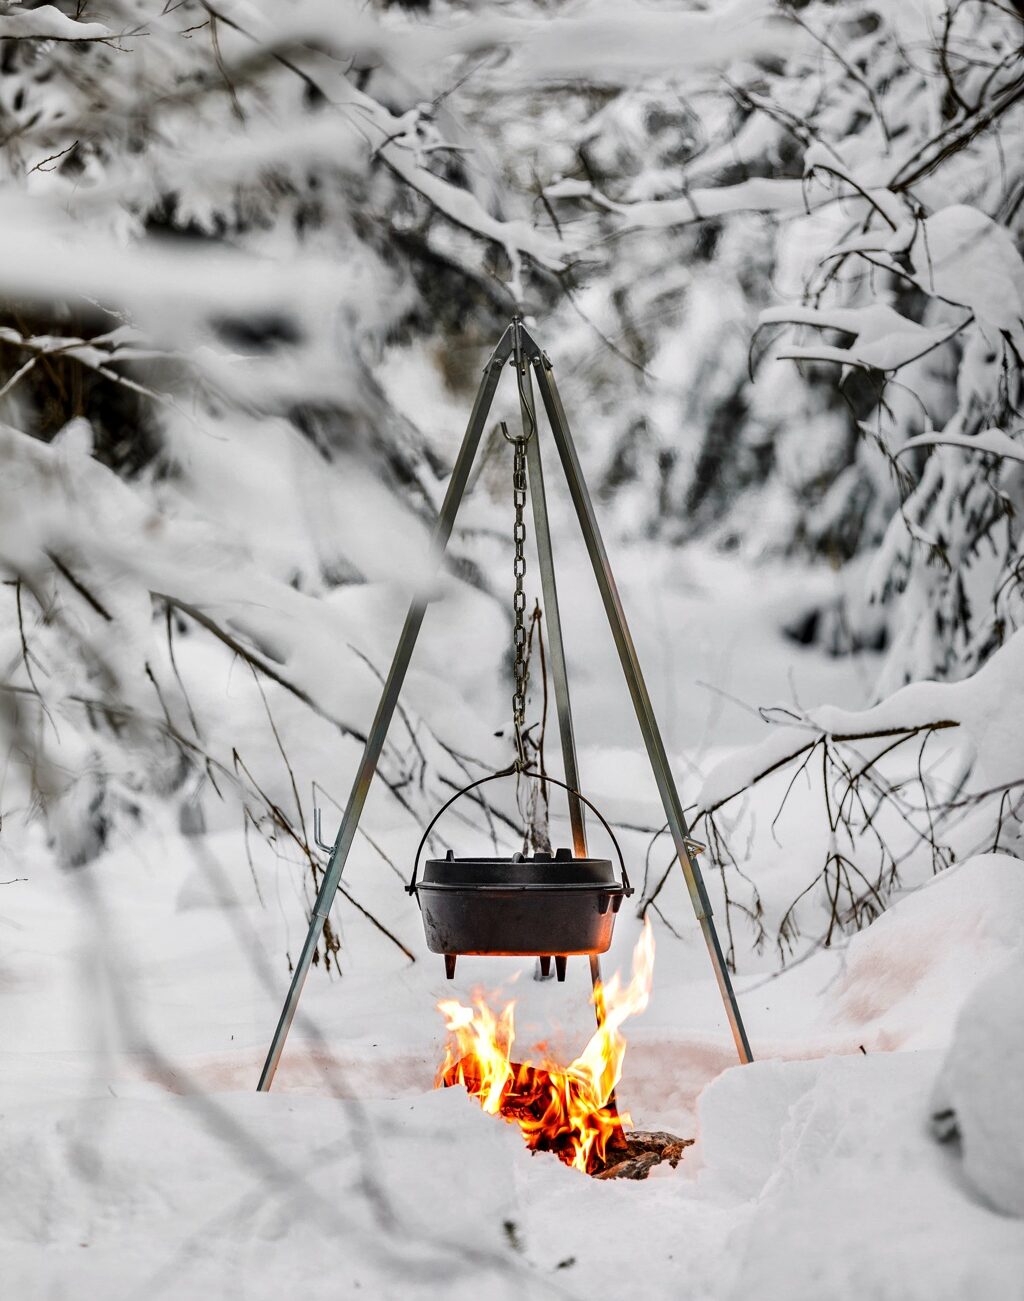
<point>517,361</point>
<point>320,844</point>
<point>521,760</point>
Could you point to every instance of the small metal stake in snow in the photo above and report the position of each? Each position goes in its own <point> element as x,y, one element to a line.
<point>517,347</point>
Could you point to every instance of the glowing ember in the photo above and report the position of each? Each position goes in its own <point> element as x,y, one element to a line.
<point>561,1109</point>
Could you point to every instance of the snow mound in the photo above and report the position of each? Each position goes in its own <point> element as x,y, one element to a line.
<point>844,1194</point>
<point>908,974</point>
<point>125,1197</point>
<point>982,1083</point>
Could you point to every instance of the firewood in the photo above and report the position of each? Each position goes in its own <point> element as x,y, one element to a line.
<point>628,1154</point>
<point>644,1150</point>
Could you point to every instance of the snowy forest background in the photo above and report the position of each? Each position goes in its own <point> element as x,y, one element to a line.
<point>253,259</point>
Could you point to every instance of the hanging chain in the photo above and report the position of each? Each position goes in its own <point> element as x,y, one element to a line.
<point>521,666</point>
<point>520,663</point>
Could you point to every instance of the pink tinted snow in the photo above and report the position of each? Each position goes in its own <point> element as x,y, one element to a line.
<point>906,976</point>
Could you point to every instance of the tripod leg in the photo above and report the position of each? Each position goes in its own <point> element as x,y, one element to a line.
<point>556,648</point>
<point>553,624</point>
<point>386,708</point>
<point>638,691</point>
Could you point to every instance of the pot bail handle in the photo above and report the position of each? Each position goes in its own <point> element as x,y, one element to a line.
<point>627,889</point>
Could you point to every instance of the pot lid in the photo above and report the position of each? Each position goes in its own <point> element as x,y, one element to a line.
<point>558,869</point>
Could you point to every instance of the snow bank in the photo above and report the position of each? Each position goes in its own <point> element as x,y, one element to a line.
<point>814,1178</point>
<point>982,1083</point>
<point>845,1194</point>
<point>909,972</point>
<point>190,1197</point>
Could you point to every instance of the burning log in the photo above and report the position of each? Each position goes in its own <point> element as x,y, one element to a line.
<point>551,1108</point>
<point>644,1150</point>
<point>568,1110</point>
<point>527,1102</point>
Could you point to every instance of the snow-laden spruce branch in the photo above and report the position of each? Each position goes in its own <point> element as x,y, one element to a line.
<point>990,442</point>
<point>48,23</point>
<point>555,48</point>
<point>591,43</point>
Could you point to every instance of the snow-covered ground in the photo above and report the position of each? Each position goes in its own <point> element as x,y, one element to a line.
<point>138,995</point>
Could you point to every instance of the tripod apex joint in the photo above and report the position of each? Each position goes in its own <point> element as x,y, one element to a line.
<point>518,345</point>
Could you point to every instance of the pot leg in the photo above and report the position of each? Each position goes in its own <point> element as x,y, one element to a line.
<point>449,965</point>
<point>545,966</point>
<point>560,962</point>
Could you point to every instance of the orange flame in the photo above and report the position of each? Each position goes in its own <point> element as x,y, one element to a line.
<point>568,1110</point>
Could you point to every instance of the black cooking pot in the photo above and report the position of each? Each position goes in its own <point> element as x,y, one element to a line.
<point>548,905</point>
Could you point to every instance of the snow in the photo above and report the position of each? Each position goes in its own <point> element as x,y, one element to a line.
<point>127,1201</point>
<point>982,1083</point>
<point>763,194</point>
<point>842,1187</point>
<point>993,441</point>
<point>48,23</point>
<point>976,707</point>
<point>152,1167</point>
<point>884,339</point>
<point>170,289</point>
<point>962,255</point>
<point>133,1127</point>
<point>628,42</point>
<point>259,257</point>
<point>910,973</point>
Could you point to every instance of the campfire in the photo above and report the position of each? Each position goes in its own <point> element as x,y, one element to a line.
<point>569,1110</point>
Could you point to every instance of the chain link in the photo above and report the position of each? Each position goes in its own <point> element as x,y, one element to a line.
<point>521,668</point>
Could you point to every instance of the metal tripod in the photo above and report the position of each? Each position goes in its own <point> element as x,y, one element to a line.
<point>518,348</point>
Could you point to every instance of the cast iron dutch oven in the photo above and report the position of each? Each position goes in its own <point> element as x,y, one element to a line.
<point>544,905</point>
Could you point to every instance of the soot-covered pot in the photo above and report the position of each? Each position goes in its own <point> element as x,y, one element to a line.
<point>548,905</point>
